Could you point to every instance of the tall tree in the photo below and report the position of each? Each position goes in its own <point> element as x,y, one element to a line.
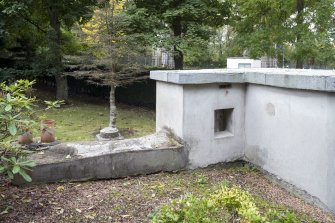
<point>64,13</point>
<point>21,33</point>
<point>298,25</point>
<point>50,18</point>
<point>173,23</point>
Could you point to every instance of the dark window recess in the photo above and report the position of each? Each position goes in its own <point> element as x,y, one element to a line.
<point>225,86</point>
<point>223,120</point>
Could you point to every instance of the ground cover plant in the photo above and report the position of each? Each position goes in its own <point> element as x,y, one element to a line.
<point>139,199</point>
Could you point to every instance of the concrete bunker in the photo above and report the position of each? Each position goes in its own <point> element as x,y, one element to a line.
<point>282,120</point>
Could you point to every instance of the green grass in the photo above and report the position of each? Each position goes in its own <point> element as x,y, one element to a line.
<point>81,121</point>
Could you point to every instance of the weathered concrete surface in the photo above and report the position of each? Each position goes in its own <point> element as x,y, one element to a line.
<point>323,80</point>
<point>169,107</point>
<point>291,133</point>
<point>207,146</point>
<point>109,133</point>
<point>189,112</point>
<point>114,159</point>
<point>283,121</point>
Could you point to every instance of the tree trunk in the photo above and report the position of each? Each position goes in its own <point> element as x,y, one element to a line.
<point>62,89</point>
<point>300,20</point>
<point>56,54</point>
<point>178,58</point>
<point>112,115</point>
<point>178,55</point>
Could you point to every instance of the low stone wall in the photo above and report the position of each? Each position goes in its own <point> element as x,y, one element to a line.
<point>280,120</point>
<point>104,160</point>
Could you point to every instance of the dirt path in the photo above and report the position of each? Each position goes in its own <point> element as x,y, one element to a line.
<point>133,199</point>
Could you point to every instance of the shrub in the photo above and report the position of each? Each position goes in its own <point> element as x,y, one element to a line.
<point>229,204</point>
<point>189,209</point>
<point>238,202</point>
<point>16,117</point>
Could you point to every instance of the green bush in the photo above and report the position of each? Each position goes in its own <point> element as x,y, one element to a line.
<point>238,202</point>
<point>189,209</point>
<point>16,117</point>
<point>16,111</point>
<point>229,204</point>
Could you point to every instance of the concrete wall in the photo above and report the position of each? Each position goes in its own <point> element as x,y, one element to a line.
<point>200,102</point>
<point>330,139</point>
<point>188,110</point>
<point>290,134</point>
<point>283,121</point>
<point>169,107</point>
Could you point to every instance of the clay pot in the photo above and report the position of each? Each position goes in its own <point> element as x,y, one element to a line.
<point>48,131</point>
<point>25,138</point>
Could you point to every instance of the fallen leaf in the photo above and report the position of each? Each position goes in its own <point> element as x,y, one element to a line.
<point>60,188</point>
<point>4,212</point>
<point>91,215</point>
<point>125,216</point>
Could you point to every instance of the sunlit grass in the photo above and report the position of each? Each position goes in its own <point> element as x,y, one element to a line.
<point>82,121</point>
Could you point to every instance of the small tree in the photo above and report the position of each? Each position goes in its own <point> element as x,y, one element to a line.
<point>107,35</point>
<point>102,72</point>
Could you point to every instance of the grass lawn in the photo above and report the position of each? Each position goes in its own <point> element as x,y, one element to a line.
<point>133,199</point>
<point>81,121</point>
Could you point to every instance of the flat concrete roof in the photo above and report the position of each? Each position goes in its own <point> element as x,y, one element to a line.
<point>308,79</point>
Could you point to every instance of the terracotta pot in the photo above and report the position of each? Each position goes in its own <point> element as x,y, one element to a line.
<point>48,131</point>
<point>25,138</point>
<point>47,123</point>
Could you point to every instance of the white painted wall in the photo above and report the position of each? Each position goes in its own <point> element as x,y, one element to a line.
<point>234,63</point>
<point>283,128</point>
<point>189,111</point>
<point>200,101</point>
<point>169,107</point>
<point>330,139</point>
<point>290,133</point>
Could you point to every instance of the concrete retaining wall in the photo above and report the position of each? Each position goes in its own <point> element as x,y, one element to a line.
<point>104,160</point>
<point>115,165</point>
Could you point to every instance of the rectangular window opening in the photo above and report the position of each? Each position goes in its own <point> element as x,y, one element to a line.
<point>223,122</point>
<point>244,65</point>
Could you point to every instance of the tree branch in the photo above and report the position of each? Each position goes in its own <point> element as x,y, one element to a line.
<point>33,23</point>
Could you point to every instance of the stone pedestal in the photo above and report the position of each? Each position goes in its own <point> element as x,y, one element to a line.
<point>109,133</point>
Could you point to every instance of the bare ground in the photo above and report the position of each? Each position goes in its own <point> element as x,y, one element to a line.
<point>133,199</point>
